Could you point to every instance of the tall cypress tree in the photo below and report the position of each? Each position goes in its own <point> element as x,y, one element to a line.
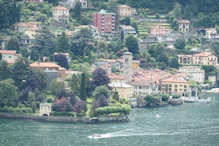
<point>63,43</point>
<point>77,10</point>
<point>83,88</point>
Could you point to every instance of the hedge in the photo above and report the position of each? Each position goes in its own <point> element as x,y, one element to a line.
<point>112,109</point>
<point>16,110</point>
<point>62,114</point>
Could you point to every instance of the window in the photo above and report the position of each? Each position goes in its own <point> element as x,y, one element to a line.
<point>140,87</point>
<point>185,86</point>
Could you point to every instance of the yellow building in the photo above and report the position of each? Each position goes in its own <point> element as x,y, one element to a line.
<point>125,10</point>
<point>124,90</point>
<point>135,64</point>
<point>174,85</point>
<point>204,58</point>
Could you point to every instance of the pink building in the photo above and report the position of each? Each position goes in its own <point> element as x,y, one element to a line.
<point>105,22</point>
<point>160,30</point>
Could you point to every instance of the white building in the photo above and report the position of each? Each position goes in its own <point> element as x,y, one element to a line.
<point>127,30</point>
<point>144,87</point>
<point>60,13</point>
<point>211,33</point>
<point>72,3</point>
<point>195,73</point>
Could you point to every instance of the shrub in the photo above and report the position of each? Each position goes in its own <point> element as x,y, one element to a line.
<point>175,96</point>
<point>64,114</point>
<point>50,100</point>
<point>5,109</point>
<point>125,109</point>
<point>17,110</point>
<point>10,109</point>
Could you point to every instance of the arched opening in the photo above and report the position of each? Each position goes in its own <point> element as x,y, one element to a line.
<point>193,93</point>
<point>45,115</point>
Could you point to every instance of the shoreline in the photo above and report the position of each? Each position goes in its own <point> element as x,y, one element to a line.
<point>73,120</point>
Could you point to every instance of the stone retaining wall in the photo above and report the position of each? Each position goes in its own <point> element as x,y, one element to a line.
<point>66,119</point>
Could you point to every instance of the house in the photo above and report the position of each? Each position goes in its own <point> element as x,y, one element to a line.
<point>160,31</point>
<point>22,26</point>
<point>126,30</point>
<point>105,22</point>
<point>60,13</point>
<point>72,3</point>
<point>124,90</point>
<point>125,11</point>
<point>144,87</point>
<point>183,25</point>
<point>211,33</point>
<point>204,58</point>
<point>94,30</point>
<point>175,86</point>
<point>185,59</point>
<point>36,1</point>
<point>195,73</point>
<point>28,37</point>
<point>10,56</point>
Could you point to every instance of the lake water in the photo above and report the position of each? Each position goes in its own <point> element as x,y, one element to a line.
<point>187,125</point>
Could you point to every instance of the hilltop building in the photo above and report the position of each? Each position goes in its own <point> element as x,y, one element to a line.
<point>125,11</point>
<point>204,58</point>
<point>72,3</point>
<point>105,22</point>
<point>60,13</point>
<point>10,56</point>
<point>184,25</point>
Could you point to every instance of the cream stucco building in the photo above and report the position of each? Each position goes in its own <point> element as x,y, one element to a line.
<point>183,25</point>
<point>45,109</point>
<point>195,73</point>
<point>204,58</point>
<point>10,56</point>
<point>211,33</point>
<point>60,13</point>
<point>144,87</point>
<point>174,85</point>
<point>124,90</point>
<point>125,10</point>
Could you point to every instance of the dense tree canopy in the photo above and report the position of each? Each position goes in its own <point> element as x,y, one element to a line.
<point>131,43</point>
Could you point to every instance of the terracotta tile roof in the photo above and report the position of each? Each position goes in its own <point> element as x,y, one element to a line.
<point>126,27</point>
<point>61,68</point>
<point>44,64</point>
<point>113,76</point>
<point>203,54</point>
<point>21,24</point>
<point>8,52</point>
<point>183,21</point>
<point>60,8</point>
<point>174,80</point>
<point>210,29</point>
<point>182,55</point>
<point>141,83</point>
<point>123,6</point>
